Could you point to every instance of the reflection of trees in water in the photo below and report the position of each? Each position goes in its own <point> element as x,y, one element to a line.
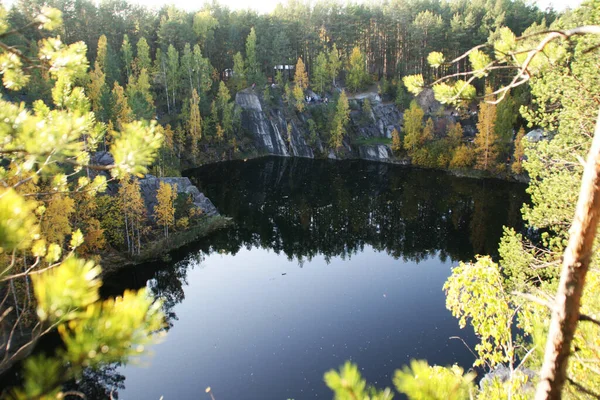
<point>100,383</point>
<point>305,208</point>
<point>167,285</point>
<point>309,207</point>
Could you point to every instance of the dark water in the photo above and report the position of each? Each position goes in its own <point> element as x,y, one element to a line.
<point>327,262</point>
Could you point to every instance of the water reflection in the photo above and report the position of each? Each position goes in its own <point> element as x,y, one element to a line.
<point>309,207</point>
<point>375,243</point>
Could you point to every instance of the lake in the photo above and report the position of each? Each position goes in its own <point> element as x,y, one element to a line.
<point>328,261</point>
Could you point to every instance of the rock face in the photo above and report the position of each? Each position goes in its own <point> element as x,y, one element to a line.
<point>376,152</point>
<point>267,135</point>
<point>149,186</point>
<point>381,123</point>
<point>273,133</point>
<point>272,129</point>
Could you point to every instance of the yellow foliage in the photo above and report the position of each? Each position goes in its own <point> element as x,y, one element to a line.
<point>55,224</point>
<point>300,76</point>
<point>396,141</point>
<point>463,157</point>
<point>164,211</point>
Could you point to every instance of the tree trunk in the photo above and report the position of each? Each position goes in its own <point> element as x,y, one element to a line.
<point>576,262</point>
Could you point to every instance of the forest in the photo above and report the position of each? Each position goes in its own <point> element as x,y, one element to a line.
<point>98,95</point>
<point>185,68</point>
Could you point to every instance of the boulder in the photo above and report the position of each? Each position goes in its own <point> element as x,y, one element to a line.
<point>536,135</point>
<point>248,100</point>
<point>150,184</point>
<point>376,152</point>
<point>426,100</point>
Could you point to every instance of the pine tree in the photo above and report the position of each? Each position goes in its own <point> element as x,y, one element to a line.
<point>517,165</point>
<point>195,123</point>
<point>164,210</point>
<point>367,110</point>
<point>300,76</point>
<point>320,75</point>
<point>486,140</point>
<point>357,74</point>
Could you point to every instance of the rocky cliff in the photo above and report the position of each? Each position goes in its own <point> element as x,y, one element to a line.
<point>278,131</point>
<point>150,184</point>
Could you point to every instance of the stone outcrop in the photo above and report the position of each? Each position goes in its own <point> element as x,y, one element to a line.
<point>149,187</point>
<point>274,132</point>
<point>376,152</point>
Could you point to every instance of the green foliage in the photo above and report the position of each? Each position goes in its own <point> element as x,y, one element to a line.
<point>402,98</point>
<point>18,225</point>
<point>506,117</point>
<point>414,83</point>
<point>435,59</point>
<point>321,74</point>
<point>413,127</point>
<point>45,149</point>
<point>335,63</point>
<point>454,93</point>
<point>356,72</point>
<point>239,72</point>
<point>204,25</point>
<point>479,62</point>
<point>62,291</point>
<point>340,120</point>
<point>476,292</point>
<point>135,146</point>
<point>367,110</point>
<point>142,59</point>
<point>348,384</point>
<point>253,71</point>
<point>423,382</point>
